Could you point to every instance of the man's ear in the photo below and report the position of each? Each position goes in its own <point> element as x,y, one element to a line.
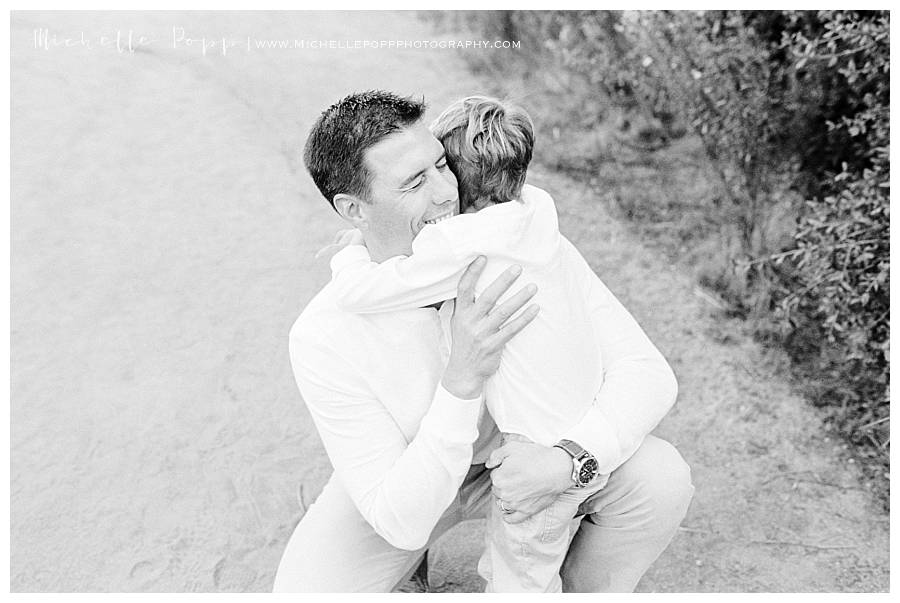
<point>351,209</point>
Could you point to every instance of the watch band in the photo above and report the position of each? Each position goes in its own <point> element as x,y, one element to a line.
<point>572,448</point>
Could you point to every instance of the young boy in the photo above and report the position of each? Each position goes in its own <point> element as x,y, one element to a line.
<point>550,372</point>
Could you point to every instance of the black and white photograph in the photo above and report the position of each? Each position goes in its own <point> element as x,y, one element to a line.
<point>449,301</point>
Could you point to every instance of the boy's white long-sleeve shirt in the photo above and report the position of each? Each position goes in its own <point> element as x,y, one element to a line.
<point>551,371</point>
<point>401,444</point>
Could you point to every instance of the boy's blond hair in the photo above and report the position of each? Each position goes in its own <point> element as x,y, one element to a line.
<point>488,143</point>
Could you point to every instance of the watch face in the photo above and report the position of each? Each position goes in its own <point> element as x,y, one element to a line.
<point>588,470</point>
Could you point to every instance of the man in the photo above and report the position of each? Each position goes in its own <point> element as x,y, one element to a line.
<point>398,402</point>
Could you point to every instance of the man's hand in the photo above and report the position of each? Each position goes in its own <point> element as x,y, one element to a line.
<point>480,330</point>
<point>527,477</point>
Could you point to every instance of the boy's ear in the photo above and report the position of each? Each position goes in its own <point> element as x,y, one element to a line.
<point>351,209</point>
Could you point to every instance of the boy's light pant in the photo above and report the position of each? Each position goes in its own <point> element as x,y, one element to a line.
<point>527,556</point>
<point>626,527</point>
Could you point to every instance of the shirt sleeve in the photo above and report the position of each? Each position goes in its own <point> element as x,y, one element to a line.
<point>400,487</point>
<point>638,388</point>
<point>430,275</point>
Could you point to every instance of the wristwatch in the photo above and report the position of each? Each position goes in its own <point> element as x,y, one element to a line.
<point>584,465</point>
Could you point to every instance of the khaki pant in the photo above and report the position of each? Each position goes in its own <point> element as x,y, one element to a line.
<point>526,556</point>
<point>626,526</point>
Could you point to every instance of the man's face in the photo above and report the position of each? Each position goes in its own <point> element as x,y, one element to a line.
<point>411,186</point>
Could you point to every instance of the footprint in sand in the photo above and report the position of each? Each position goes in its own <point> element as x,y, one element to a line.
<point>233,576</point>
<point>146,569</point>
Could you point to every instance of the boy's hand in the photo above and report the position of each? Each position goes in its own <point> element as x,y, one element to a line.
<point>342,238</point>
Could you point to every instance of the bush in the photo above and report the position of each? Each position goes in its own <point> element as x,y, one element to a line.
<point>838,281</point>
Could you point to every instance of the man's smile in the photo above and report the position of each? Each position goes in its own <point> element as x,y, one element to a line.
<point>440,218</point>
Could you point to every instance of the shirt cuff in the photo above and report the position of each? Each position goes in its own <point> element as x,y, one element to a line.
<point>349,255</point>
<point>595,434</point>
<point>452,419</point>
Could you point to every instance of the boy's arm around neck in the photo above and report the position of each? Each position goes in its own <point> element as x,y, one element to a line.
<point>430,275</point>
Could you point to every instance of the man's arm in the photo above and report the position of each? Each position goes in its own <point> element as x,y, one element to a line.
<point>638,390</point>
<point>402,488</point>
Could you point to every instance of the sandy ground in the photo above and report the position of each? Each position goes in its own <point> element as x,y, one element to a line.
<point>162,243</point>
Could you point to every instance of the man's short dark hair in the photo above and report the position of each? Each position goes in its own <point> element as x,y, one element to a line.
<point>337,142</point>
